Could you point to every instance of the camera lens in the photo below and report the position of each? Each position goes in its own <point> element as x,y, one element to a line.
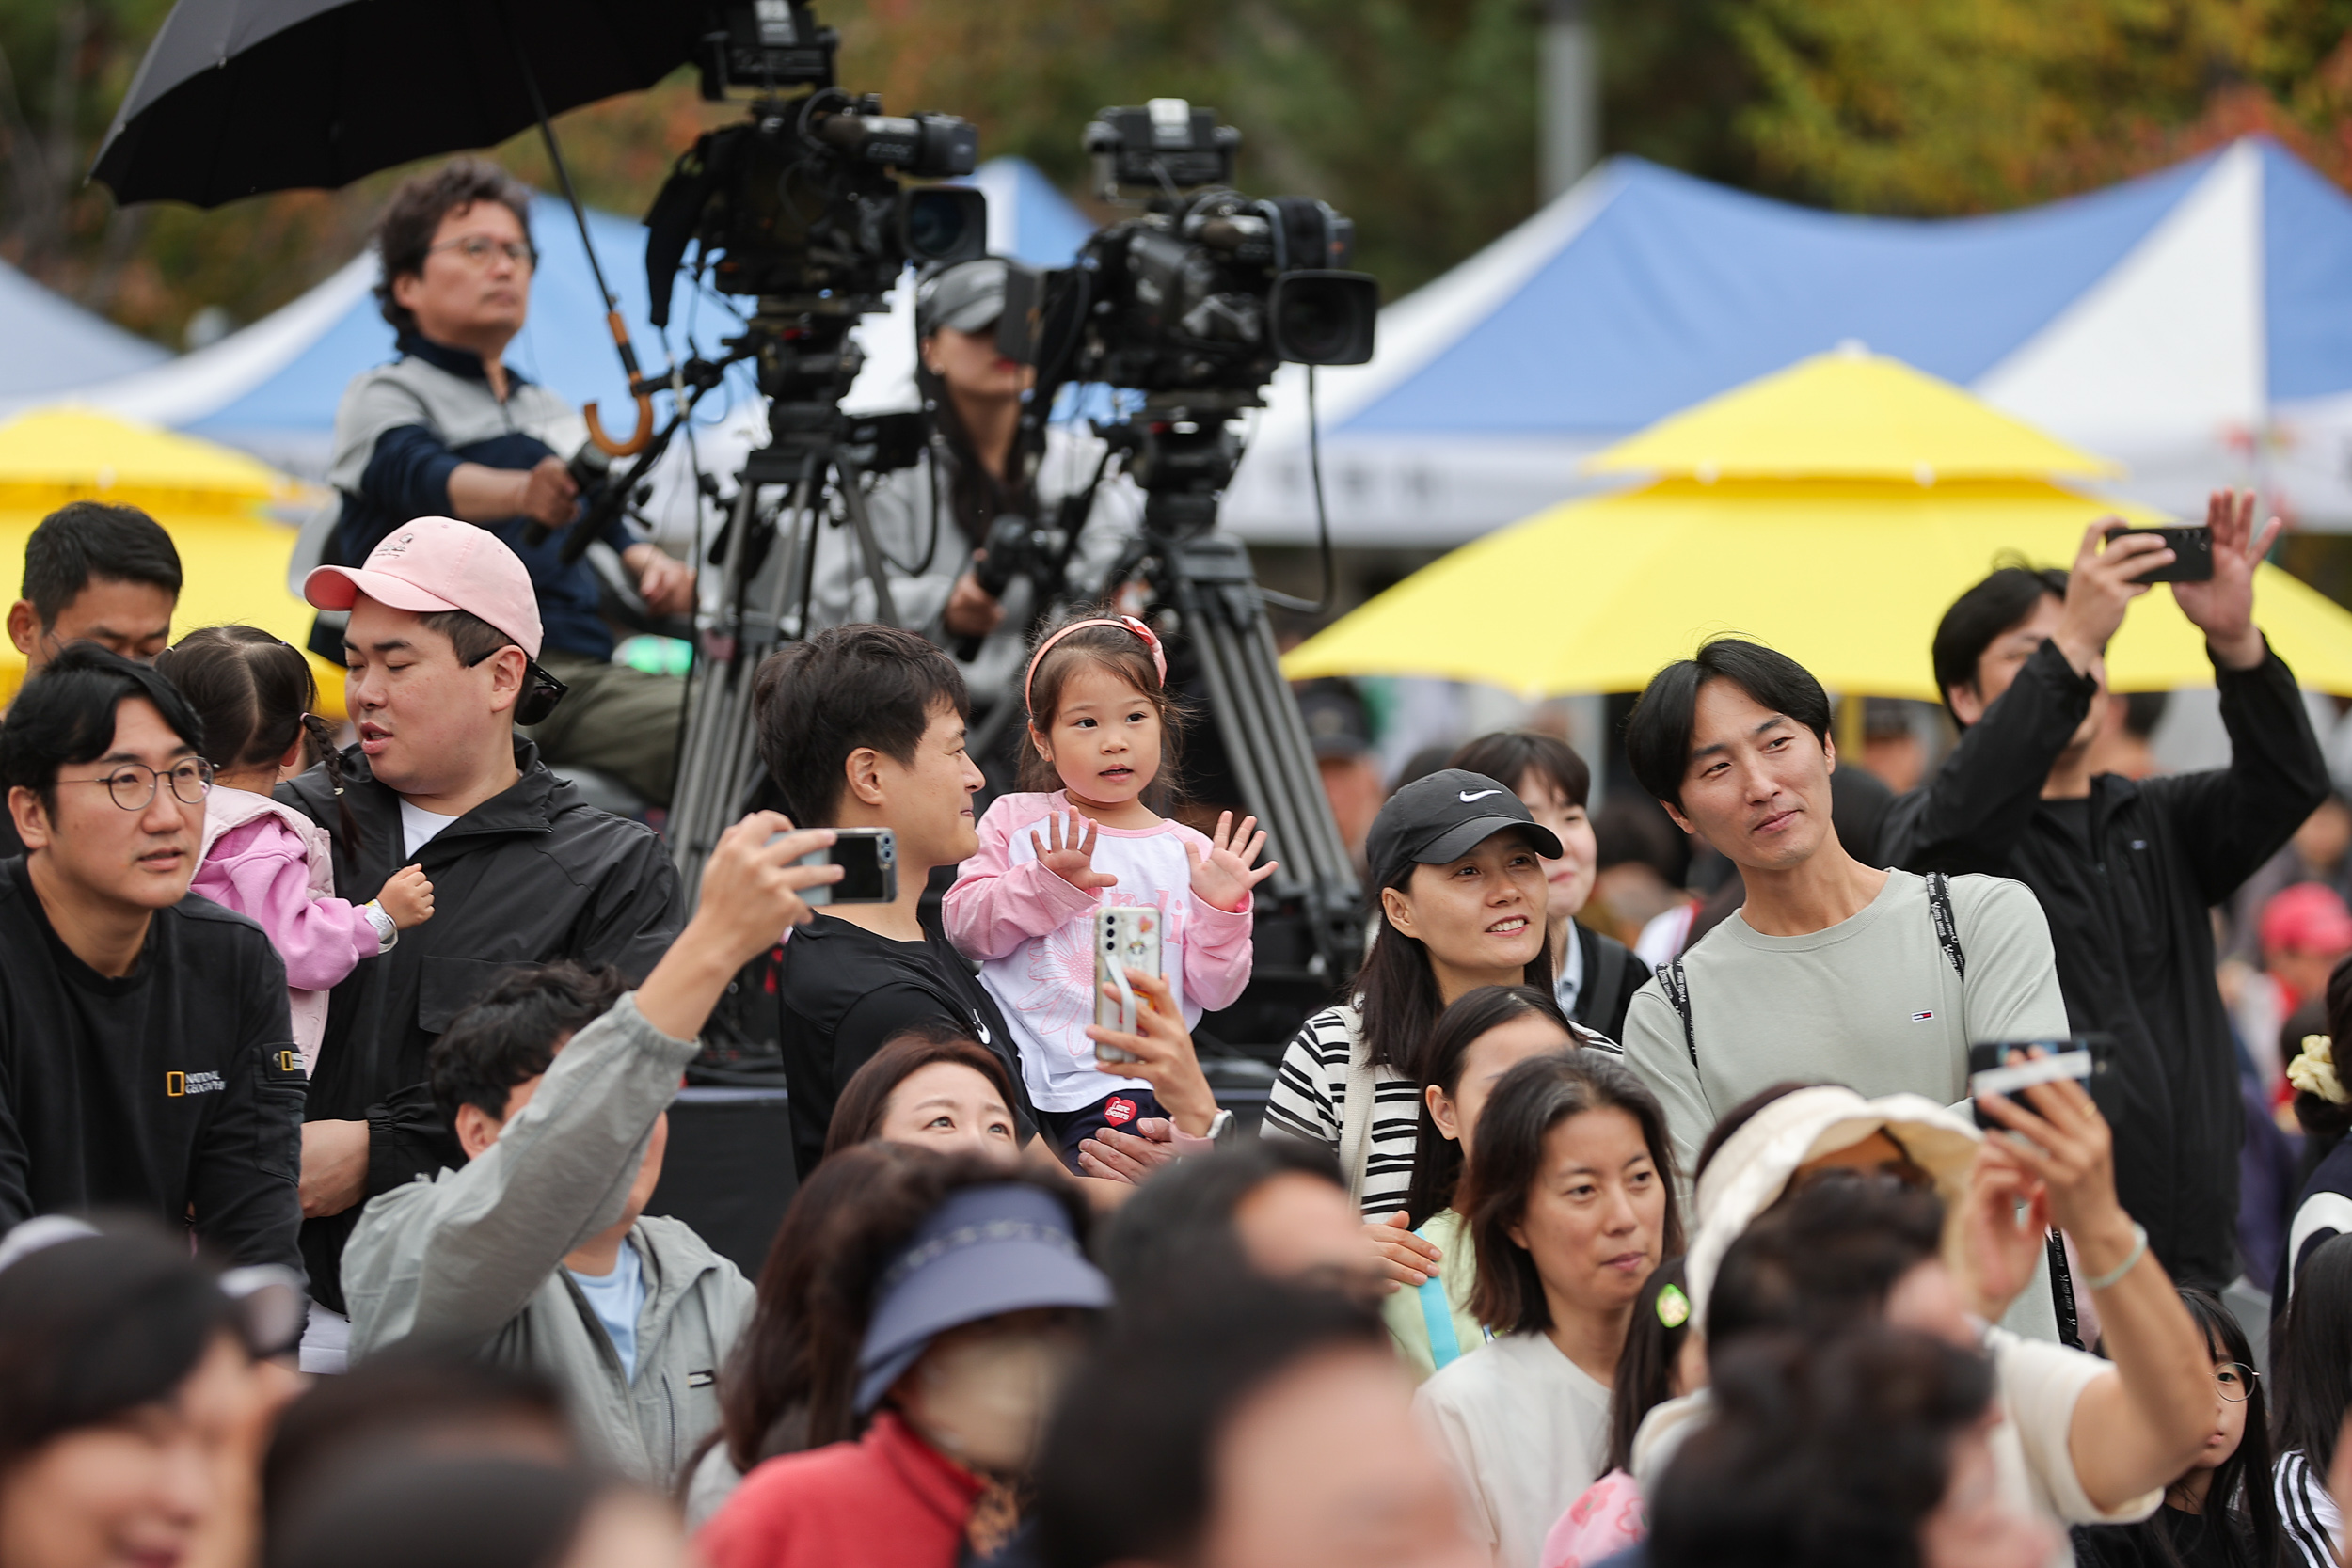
<point>945,223</point>
<point>1324,318</point>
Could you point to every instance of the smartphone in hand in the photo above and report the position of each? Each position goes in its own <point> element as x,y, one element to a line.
<point>869,861</point>
<point>2192,552</point>
<point>1124,938</point>
<point>2006,1067</point>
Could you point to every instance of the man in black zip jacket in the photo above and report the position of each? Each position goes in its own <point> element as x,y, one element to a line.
<point>2125,871</point>
<point>146,1061</point>
<point>441,650</point>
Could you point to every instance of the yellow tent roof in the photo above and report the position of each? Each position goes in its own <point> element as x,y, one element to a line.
<point>54,456</point>
<point>1846,414</point>
<point>208,498</point>
<point>1849,579</point>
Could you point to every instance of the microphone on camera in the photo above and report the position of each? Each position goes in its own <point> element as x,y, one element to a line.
<point>589,469</point>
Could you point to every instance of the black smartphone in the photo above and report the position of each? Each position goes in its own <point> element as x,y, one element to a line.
<point>868,858</point>
<point>2005,1067</point>
<point>2192,552</point>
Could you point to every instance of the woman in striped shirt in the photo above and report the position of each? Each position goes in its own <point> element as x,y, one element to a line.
<point>2311,1379</point>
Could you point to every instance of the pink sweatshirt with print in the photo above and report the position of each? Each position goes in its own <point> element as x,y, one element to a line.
<point>1033,936</point>
<point>272,864</point>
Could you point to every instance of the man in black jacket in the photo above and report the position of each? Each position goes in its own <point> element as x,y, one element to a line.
<point>2125,871</point>
<point>442,654</point>
<point>147,1060</point>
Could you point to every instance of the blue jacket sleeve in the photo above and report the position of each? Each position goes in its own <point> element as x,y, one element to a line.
<point>407,474</point>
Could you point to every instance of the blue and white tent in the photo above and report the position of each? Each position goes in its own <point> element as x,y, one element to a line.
<point>53,342</point>
<point>272,388</point>
<point>2195,324</point>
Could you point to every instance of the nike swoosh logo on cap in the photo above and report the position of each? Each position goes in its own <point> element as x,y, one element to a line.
<point>1466,797</point>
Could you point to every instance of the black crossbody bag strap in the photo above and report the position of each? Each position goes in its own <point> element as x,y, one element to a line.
<point>1947,922</point>
<point>1678,989</point>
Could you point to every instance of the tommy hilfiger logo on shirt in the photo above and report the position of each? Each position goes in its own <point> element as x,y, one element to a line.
<point>179,1084</point>
<point>1928,1017</point>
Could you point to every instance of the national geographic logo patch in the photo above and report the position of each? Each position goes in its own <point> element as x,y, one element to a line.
<point>179,1084</point>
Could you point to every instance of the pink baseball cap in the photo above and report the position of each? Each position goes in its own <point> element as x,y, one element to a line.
<point>436,564</point>
<point>2306,918</point>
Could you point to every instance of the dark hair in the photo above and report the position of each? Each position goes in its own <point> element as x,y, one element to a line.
<point>817,700</point>
<point>1739,1116</point>
<point>1823,1260</point>
<point>1632,829</point>
<point>1120,653</point>
<point>1645,1368</point>
<point>404,235</point>
<point>407,1398</point>
<point>1396,990</point>
<point>253,692</point>
<point>82,540</point>
<point>1821,1454</point>
<point>1531,1099</point>
<point>96,1326</point>
<point>508,1035</point>
<point>1658,731</point>
<point>1180,1223</point>
<point>478,1511</point>
<point>2324,1121</point>
<point>2310,1356</point>
<point>976,498</point>
<point>857,1115</point>
<point>2240,1490</point>
<point>1436,1058</point>
<point>66,715</point>
<point>1983,614</point>
<point>1118,1484</point>
<point>470,637</point>
<point>1508,756</point>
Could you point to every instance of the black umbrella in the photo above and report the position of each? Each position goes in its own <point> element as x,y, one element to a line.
<point>239,97</point>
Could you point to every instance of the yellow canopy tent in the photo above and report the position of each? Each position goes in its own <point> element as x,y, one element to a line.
<point>211,499</point>
<point>1833,510</point>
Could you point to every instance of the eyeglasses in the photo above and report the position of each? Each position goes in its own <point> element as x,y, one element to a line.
<point>2234,1380</point>
<point>133,784</point>
<point>479,248</point>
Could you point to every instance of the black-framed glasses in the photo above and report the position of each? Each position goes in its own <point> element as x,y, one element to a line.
<point>133,784</point>
<point>479,248</point>
<point>2233,1380</point>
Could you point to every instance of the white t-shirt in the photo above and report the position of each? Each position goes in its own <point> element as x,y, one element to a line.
<point>617,1299</point>
<point>1525,1430</point>
<point>417,826</point>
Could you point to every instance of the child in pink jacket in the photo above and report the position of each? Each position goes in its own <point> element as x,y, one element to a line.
<point>267,862</point>
<point>1099,725</point>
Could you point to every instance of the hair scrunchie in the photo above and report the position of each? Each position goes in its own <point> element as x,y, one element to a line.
<point>2315,1070</point>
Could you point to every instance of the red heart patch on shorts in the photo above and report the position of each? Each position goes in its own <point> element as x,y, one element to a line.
<point>1119,1111</point>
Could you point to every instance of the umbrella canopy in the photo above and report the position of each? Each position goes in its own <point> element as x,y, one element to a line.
<point>1848,575</point>
<point>238,97</point>
<point>210,499</point>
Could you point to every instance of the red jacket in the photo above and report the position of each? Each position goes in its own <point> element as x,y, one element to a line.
<point>888,1500</point>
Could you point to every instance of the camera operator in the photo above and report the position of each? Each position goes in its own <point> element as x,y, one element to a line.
<point>931,521</point>
<point>447,430</point>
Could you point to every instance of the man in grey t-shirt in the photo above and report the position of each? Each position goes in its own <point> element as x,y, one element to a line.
<point>1832,971</point>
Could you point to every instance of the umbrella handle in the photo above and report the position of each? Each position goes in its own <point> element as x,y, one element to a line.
<point>642,431</point>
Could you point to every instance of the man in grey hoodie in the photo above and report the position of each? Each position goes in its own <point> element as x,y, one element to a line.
<point>537,1252</point>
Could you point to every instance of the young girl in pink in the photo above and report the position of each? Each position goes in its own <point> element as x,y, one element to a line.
<point>1101,726</point>
<point>268,861</point>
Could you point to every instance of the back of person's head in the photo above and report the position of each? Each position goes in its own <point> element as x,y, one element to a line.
<point>1436,1059</point>
<point>1529,1101</point>
<point>1518,756</point>
<point>1820,1453</point>
<point>1634,830</point>
<point>1125,1481</point>
<point>1114,646</point>
<point>82,540</point>
<point>470,1512</point>
<point>1658,731</point>
<point>858,1113</point>
<point>817,701</point>
<point>405,232</point>
<point>1736,1118</point>
<point>2310,1356</point>
<point>254,694</point>
<point>65,716</point>
<point>1645,1368</point>
<point>2323,1101</point>
<point>1822,1260</point>
<point>411,1400</point>
<point>510,1033</point>
<point>95,1327</point>
<point>1983,614</point>
<point>1183,1221</point>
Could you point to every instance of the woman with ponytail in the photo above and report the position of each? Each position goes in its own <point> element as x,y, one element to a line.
<point>267,862</point>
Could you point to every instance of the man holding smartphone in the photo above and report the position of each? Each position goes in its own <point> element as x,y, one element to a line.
<point>2125,871</point>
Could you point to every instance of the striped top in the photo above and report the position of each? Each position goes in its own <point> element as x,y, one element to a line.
<point>2307,1514</point>
<point>1308,1101</point>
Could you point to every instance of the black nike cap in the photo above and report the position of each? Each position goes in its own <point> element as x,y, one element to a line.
<point>1443,816</point>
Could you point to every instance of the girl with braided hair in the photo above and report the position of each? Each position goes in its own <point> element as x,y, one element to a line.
<point>268,861</point>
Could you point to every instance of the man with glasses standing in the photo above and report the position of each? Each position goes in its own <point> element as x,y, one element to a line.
<point>449,430</point>
<point>146,1061</point>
